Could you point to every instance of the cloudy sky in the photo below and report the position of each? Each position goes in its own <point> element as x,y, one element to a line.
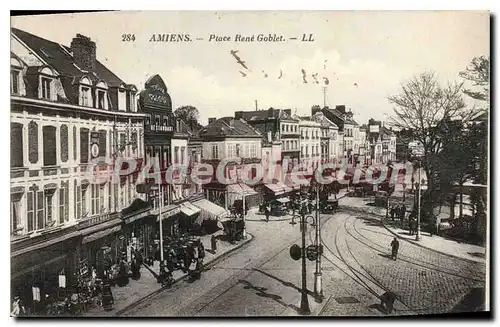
<point>376,50</point>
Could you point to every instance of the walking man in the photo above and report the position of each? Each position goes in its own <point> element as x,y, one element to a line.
<point>267,213</point>
<point>395,248</point>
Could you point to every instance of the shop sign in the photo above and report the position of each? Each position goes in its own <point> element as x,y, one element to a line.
<point>94,145</point>
<point>138,216</point>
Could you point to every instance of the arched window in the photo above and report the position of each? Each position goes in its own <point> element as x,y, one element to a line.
<point>33,142</point>
<point>101,95</point>
<point>45,84</point>
<point>85,97</point>
<point>16,145</point>
<point>64,142</point>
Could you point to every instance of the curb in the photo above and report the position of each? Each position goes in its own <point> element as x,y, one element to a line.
<point>426,247</point>
<point>161,289</point>
<point>408,240</point>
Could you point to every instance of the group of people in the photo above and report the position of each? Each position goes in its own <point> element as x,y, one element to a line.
<point>182,258</point>
<point>398,212</point>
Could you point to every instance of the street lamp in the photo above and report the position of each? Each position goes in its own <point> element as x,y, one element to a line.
<point>304,302</point>
<point>318,285</point>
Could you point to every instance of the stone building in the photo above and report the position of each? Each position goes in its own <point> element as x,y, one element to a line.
<point>67,109</point>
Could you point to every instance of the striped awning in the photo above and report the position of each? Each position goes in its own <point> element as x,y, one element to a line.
<point>189,209</point>
<point>210,210</point>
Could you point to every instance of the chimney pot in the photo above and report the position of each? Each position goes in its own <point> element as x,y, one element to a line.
<point>84,52</point>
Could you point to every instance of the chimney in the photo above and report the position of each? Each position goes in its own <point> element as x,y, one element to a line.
<point>270,112</point>
<point>238,114</point>
<point>211,120</point>
<point>341,108</point>
<point>84,52</point>
<point>315,109</point>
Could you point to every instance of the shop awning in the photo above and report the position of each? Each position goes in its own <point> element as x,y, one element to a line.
<point>296,181</point>
<point>189,209</point>
<point>101,234</point>
<point>283,200</point>
<point>279,188</point>
<point>166,212</point>
<point>210,210</point>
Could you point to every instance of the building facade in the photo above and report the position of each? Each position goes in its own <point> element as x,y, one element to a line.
<point>310,143</point>
<point>225,141</point>
<point>329,138</point>
<point>68,111</point>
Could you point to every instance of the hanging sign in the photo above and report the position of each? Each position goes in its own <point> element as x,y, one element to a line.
<point>62,281</point>
<point>295,252</point>
<point>94,144</point>
<point>36,294</point>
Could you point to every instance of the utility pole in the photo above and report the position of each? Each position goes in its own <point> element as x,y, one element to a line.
<point>256,106</point>
<point>160,204</point>
<point>324,96</point>
<point>419,204</point>
<point>318,285</point>
<point>244,223</point>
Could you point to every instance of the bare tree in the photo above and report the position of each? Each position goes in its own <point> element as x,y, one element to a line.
<point>478,72</point>
<point>423,106</point>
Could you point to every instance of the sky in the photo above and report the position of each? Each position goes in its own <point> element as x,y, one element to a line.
<point>365,55</point>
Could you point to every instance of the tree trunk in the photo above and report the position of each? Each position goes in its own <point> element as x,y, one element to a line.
<point>452,206</point>
<point>461,200</point>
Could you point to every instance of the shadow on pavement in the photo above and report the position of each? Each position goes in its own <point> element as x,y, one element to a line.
<point>285,283</point>
<point>385,255</point>
<point>262,292</point>
<point>378,307</point>
<point>472,301</point>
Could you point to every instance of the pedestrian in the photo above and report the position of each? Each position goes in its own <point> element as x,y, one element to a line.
<point>267,213</point>
<point>186,258</point>
<point>395,248</point>
<point>393,212</point>
<point>387,301</point>
<point>403,212</point>
<point>213,243</point>
<point>201,251</point>
<point>17,307</point>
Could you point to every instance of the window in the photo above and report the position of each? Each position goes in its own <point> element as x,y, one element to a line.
<point>49,146</point>
<point>101,96</point>
<point>48,198</point>
<point>301,134</point>
<point>16,145</point>
<point>40,219</point>
<point>287,128</point>
<point>63,203</point>
<point>63,133</point>
<point>176,155</point>
<point>283,128</point>
<point>131,103</point>
<point>31,211</point>
<point>238,150</point>
<point>253,151</point>
<point>14,81</point>
<point>85,96</point>
<point>157,120</point>
<point>45,84</point>
<point>84,199</point>
<point>102,143</point>
<point>95,199</point>
<point>231,151</point>
<point>134,141</point>
<point>84,145</point>
<point>15,213</point>
<point>183,150</point>
<point>215,151</point>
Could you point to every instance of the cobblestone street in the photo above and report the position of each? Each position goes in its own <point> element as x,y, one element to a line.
<point>261,278</point>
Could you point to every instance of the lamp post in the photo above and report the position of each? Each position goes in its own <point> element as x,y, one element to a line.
<point>417,237</point>
<point>160,204</point>
<point>318,285</point>
<point>304,301</point>
<point>244,223</point>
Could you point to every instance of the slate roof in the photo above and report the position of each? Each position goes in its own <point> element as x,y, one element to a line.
<point>59,57</point>
<point>257,115</point>
<point>227,127</point>
<point>321,118</point>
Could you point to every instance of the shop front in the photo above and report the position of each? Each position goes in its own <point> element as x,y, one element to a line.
<point>101,245</point>
<point>238,191</point>
<point>276,190</point>
<point>139,227</point>
<point>190,220</point>
<point>35,271</point>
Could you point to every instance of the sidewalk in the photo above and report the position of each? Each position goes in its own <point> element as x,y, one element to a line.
<point>440,244</point>
<point>147,285</point>
<point>435,243</point>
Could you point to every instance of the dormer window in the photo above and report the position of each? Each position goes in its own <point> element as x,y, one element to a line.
<point>101,95</point>
<point>100,99</point>
<point>85,96</point>
<point>15,75</point>
<point>14,81</point>
<point>46,89</point>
